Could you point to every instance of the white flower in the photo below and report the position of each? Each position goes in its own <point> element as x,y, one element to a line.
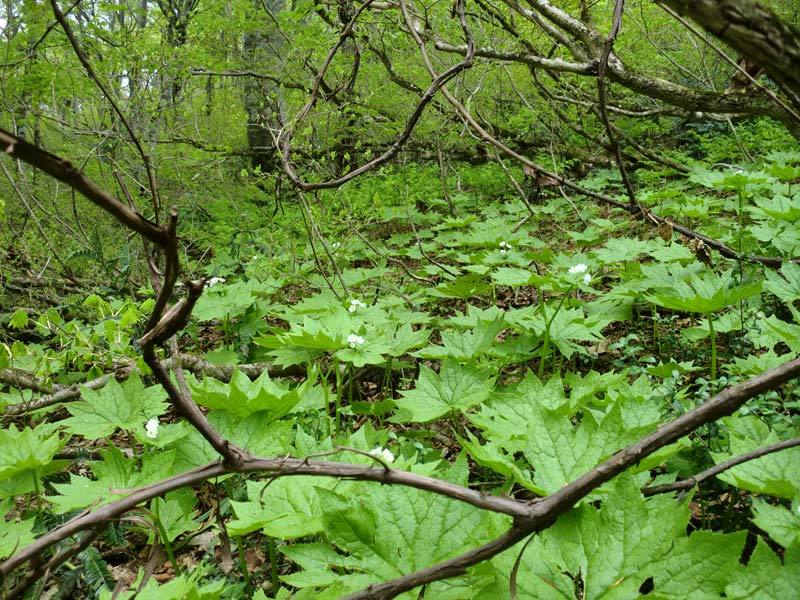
<point>503,252</point>
<point>579,268</point>
<point>214,281</point>
<point>151,428</point>
<point>354,340</point>
<point>587,278</point>
<point>383,453</point>
<point>335,246</point>
<point>505,245</point>
<point>355,305</point>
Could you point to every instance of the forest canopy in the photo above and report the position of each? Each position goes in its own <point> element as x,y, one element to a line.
<point>391,298</point>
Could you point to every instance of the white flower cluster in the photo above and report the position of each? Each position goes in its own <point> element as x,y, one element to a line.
<point>505,248</point>
<point>581,268</point>
<point>214,281</point>
<point>383,453</point>
<point>354,340</point>
<point>151,428</point>
<point>355,305</point>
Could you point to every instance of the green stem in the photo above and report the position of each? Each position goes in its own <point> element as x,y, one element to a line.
<point>326,390</point>
<point>162,533</point>
<point>38,492</point>
<point>350,381</point>
<point>337,398</point>
<point>713,336</point>
<point>548,322</point>
<point>273,563</point>
<point>242,562</point>
<point>741,253</point>
<point>545,343</point>
<point>656,339</point>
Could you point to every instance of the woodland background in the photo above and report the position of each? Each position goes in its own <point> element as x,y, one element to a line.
<point>472,299</point>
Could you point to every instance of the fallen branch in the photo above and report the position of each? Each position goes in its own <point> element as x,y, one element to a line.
<point>24,380</point>
<point>66,394</point>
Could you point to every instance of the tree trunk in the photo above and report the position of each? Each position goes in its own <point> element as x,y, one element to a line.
<point>263,99</point>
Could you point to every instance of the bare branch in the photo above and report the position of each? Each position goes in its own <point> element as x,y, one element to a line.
<point>283,141</point>
<point>689,483</point>
<point>601,104</point>
<point>84,60</point>
<point>63,170</point>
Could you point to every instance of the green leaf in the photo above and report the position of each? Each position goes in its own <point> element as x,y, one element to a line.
<point>286,508</point>
<point>782,524</point>
<point>765,578</point>
<point>14,535</point>
<point>26,452</point>
<point>406,339</point>
<point>778,207</point>
<point>464,346</point>
<point>513,276</point>
<point>258,433</point>
<point>559,451</point>
<point>464,287</point>
<point>536,579</point>
<point>699,566</point>
<point>455,388</point>
<point>612,549</point>
<point>176,512</point>
<point>568,326</point>
<point>182,587</point>
<point>781,331</point>
<point>776,474</point>
<point>705,294</point>
<point>505,416</point>
<point>672,253</point>
<point>230,300</point>
<point>786,288</point>
<point>618,250</point>
<point>491,456</point>
<point>243,397</point>
<point>114,476</point>
<point>19,319</point>
<point>382,533</point>
<point>129,406</point>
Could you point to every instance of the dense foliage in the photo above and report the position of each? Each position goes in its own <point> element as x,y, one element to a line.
<point>432,350</point>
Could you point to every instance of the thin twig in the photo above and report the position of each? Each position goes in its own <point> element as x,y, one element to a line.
<point>690,482</point>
